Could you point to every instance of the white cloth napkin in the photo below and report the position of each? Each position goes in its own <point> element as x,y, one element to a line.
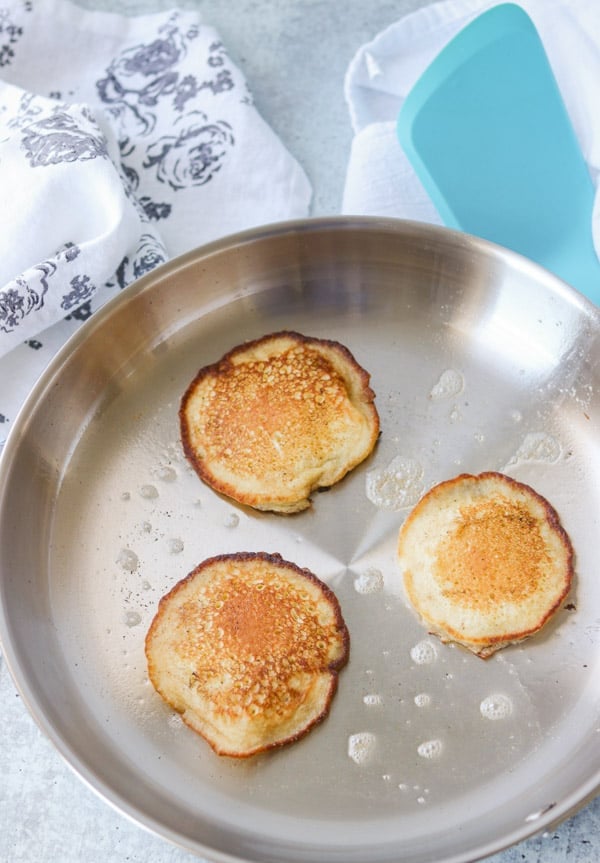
<point>380,180</point>
<point>123,141</point>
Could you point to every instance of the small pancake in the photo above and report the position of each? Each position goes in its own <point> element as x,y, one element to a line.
<point>277,418</point>
<point>485,561</point>
<point>247,649</point>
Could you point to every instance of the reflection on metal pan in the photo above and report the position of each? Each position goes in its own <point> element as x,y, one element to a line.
<point>480,360</point>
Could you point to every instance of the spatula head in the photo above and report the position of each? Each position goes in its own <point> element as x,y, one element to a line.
<point>489,136</point>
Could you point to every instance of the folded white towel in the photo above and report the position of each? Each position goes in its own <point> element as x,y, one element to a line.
<point>123,141</point>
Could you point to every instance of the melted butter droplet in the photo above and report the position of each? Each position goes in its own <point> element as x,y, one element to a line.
<point>496,707</point>
<point>423,653</point>
<point>538,447</point>
<point>396,486</point>
<point>148,492</point>
<point>361,746</point>
<point>449,384</point>
<point>370,581</point>
<point>166,474</point>
<point>132,618</point>
<point>128,560</point>
<point>430,749</point>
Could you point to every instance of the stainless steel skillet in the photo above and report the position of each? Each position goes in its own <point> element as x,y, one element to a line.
<point>480,360</point>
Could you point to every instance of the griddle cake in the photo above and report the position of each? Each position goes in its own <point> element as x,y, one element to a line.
<point>247,649</point>
<point>277,418</point>
<point>485,561</point>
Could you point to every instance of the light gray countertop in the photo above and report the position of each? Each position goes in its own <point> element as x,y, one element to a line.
<point>294,54</point>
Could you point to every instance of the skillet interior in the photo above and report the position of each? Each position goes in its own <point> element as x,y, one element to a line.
<point>100,515</point>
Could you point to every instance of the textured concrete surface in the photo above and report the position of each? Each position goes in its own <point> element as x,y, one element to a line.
<point>294,54</point>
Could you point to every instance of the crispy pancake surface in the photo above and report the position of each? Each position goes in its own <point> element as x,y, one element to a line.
<point>277,418</point>
<point>485,561</point>
<point>247,649</point>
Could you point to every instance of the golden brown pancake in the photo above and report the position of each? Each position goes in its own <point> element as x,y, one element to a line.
<point>485,561</point>
<point>247,649</point>
<point>277,418</point>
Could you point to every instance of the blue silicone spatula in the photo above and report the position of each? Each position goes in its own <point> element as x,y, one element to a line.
<point>488,134</point>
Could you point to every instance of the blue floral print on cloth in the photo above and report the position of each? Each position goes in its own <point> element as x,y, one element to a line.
<point>124,141</point>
